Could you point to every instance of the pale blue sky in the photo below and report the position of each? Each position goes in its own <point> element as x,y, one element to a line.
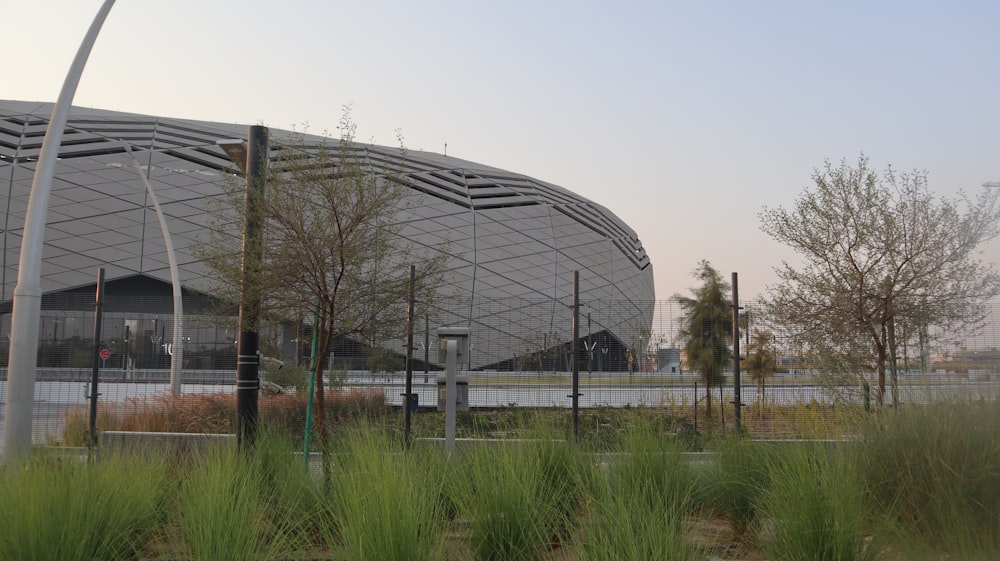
<point>683,118</point>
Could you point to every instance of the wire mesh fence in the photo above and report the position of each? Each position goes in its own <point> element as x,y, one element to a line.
<point>632,365</point>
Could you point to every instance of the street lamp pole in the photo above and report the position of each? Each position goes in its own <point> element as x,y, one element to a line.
<point>177,349</point>
<point>16,439</point>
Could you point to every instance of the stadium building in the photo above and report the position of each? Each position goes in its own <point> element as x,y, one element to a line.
<point>513,244</point>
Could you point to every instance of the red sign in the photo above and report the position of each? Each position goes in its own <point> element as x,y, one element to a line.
<point>105,354</point>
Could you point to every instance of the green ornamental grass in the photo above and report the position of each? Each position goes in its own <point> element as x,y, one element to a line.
<point>69,510</point>
<point>815,509</point>
<point>502,495</point>
<point>732,486</point>
<point>225,510</point>
<point>639,502</point>
<point>933,471</point>
<point>386,503</point>
<point>917,482</point>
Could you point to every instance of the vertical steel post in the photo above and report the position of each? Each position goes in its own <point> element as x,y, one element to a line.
<point>313,356</point>
<point>409,355</point>
<point>125,354</point>
<point>696,404</point>
<point>737,402</point>
<point>27,304</point>
<point>573,354</point>
<point>248,351</point>
<point>95,371</point>
<point>451,394</point>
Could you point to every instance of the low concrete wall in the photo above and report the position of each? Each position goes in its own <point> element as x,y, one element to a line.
<point>175,443</point>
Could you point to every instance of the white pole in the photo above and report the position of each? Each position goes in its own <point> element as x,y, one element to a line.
<point>177,348</point>
<point>16,439</point>
<point>451,394</point>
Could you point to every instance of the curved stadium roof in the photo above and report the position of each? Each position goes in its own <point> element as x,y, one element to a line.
<point>513,241</point>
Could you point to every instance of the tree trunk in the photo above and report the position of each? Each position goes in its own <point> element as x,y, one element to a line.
<point>321,429</point>
<point>893,372</point>
<point>880,367</point>
<point>760,396</point>
<point>708,395</point>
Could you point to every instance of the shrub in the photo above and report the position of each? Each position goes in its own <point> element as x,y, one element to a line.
<point>216,413</point>
<point>290,377</point>
<point>935,470</point>
<point>384,360</point>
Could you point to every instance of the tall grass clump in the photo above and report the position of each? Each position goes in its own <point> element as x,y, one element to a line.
<point>226,510</point>
<point>291,493</point>
<point>639,503</point>
<point>733,486</point>
<point>815,507</point>
<point>565,475</point>
<point>519,498</point>
<point>67,510</point>
<point>192,413</point>
<point>619,531</point>
<point>803,420</point>
<point>651,470</point>
<point>935,470</point>
<point>385,503</point>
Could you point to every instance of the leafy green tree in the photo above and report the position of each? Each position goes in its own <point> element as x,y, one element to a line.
<point>707,328</point>
<point>877,251</point>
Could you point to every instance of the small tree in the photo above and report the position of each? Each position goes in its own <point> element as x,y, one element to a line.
<point>534,351</point>
<point>761,361</point>
<point>382,360</point>
<point>640,348</point>
<point>334,250</point>
<point>707,329</point>
<point>653,345</point>
<point>555,348</point>
<point>877,252</point>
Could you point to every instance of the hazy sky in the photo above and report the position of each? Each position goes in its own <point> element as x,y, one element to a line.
<point>683,118</point>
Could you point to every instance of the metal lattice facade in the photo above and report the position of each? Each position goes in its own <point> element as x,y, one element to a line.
<point>508,237</point>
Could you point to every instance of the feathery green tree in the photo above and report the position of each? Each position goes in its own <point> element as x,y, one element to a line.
<point>707,328</point>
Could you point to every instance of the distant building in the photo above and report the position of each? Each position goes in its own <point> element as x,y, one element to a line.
<point>669,360</point>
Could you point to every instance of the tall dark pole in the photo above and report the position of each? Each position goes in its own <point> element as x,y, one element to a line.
<point>737,402</point>
<point>125,354</point>
<point>248,350</point>
<point>409,355</point>
<point>98,315</point>
<point>573,354</point>
<point>589,347</point>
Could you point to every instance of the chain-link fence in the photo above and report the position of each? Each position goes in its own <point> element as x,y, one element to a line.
<point>623,368</point>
